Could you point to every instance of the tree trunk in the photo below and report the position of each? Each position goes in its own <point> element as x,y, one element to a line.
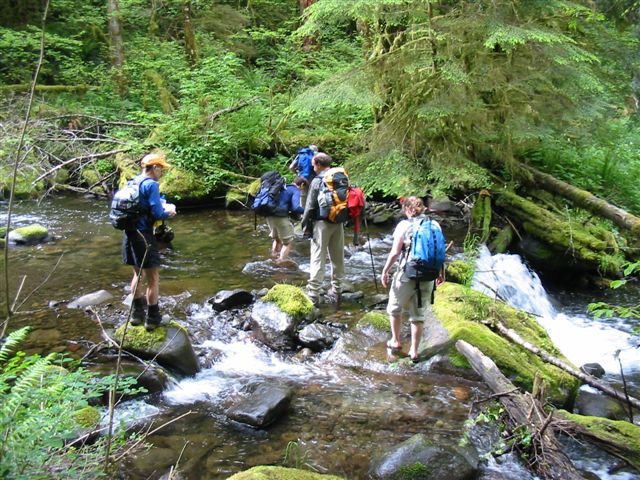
<point>588,379</point>
<point>304,4</point>
<point>115,34</point>
<point>189,34</point>
<point>582,198</point>
<point>549,461</point>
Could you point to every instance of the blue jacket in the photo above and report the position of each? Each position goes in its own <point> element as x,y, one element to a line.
<point>150,201</point>
<point>289,201</point>
<point>305,167</point>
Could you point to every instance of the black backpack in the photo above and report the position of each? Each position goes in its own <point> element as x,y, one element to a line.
<point>125,206</point>
<point>271,186</point>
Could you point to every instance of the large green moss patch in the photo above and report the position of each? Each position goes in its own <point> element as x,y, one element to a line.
<point>138,338</point>
<point>377,319</point>
<point>280,473</point>
<point>290,299</point>
<point>468,315</point>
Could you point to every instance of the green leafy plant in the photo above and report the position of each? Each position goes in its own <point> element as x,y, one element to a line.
<point>294,455</point>
<point>42,400</point>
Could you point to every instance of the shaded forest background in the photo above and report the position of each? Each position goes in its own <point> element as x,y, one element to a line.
<point>447,96</point>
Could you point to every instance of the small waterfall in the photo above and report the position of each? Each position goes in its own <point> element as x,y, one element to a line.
<point>582,339</point>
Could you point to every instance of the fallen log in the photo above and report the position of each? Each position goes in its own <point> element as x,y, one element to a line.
<point>588,379</point>
<point>581,198</point>
<point>93,156</point>
<point>548,458</point>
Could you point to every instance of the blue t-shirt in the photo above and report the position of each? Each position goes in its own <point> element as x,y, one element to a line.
<point>151,202</point>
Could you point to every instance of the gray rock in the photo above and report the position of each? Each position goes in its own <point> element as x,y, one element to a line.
<point>436,338</point>
<point>261,407</point>
<point>272,326</point>
<point>226,299</point>
<point>595,404</point>
<point>593,369</point>
<point>151,377</point>
<point>318,336</point>
<point>174,352</point>
<point>90,299</point>
<point>350,296</point>
<point>444,205</point>
<point>424,460</point>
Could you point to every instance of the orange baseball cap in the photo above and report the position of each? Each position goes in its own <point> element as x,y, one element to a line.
<point>154,159</point>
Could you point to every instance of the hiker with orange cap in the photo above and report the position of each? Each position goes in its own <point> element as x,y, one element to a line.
<point>140,247</point>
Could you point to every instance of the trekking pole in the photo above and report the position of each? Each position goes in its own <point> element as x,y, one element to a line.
<point>373,267</point>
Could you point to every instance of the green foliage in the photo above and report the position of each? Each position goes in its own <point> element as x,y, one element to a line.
<point>605,310</point>
<point>295,456</point>
<point>40,401</point>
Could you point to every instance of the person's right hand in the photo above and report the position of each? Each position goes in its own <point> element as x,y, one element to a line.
<point>384,279</point>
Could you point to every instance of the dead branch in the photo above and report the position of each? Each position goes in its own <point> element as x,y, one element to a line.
<point>233,108</point>
<point>93,156</point>
<point>588,379</point>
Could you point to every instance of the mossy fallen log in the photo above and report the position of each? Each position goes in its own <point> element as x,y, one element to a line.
<point>465,314</point>
<point>24,87</point>
<point>544,452</point>
<point>617,437</point>
<point>581,198</point>
<point>502,240</point>
<point>565,234</point>
<point>481,215</point>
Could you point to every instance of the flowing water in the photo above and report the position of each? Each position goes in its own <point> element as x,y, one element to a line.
<point>350,403</point>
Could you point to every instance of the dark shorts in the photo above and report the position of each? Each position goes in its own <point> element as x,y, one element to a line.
<point>134,245</point>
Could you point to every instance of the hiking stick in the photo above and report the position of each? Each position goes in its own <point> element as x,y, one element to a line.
<point>373,267</point>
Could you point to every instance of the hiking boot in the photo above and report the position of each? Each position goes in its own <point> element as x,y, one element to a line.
<point>139,312</point>
<point>333,297</point>
<point>153,318</point>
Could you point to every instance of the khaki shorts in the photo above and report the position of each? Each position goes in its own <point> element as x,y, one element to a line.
<point>403,298</point>
<point>280,228</point>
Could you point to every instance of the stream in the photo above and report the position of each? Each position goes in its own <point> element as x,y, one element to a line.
<point>344,411</point>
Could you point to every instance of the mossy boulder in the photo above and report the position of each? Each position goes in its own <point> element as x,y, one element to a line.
<point>25,188</point>
<point>29,235</point>
<point>184,187</point>
<point>87,417</point>
<point>168,344</point>
<point>280,473</point>
<point>3,232</point>
<point>466,314</point>
<point>290,299</point>
<point>376,319</point>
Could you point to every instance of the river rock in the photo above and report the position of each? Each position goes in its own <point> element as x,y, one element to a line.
<point>90,299</point>
<point>264,405</point>
<point>226,299</point>
<point>594,404</point>
<point>29,235</point>
<point>151,377</point>
<point>593,369</point>
<point>263,472</point>
<point>274,327</point>
<point>318,336</point>
<point>444,205</point>
<point>168,344</point>
<point>435,339</point>
<point>418,458</point>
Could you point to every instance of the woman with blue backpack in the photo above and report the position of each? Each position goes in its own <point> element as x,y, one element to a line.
<point>419,245</point>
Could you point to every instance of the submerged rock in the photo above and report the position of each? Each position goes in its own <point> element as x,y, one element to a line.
<point>418,458</point>
<point>168,344</point>
<point>280,473</point>
<point>90,299</point>
<point>262,407</point>
<point>594,404</point>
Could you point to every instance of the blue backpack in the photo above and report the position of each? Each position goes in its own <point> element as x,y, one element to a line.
<point>305,168</point>
<point>427,252</point>
<point>271,186</point>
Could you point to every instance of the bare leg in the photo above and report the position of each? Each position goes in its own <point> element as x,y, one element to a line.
<point>284,253</point>
<point>416,336</point>
<point>394,320</point>
<point>136,284</point>
<point>275,248</point>
<point>152,275</point>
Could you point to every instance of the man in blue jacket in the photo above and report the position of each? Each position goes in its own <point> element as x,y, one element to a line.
<point>280,226</point>
<point>140,247</point>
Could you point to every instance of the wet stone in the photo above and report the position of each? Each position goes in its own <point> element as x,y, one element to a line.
<point>90,299</point>
<point>226,299</point>
<point>261,407</point>
<point>317,336</point>
<point>424,459</point>
<point>593,369</point>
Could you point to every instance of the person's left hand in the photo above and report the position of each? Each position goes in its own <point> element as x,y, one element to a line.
<point>384,279</point>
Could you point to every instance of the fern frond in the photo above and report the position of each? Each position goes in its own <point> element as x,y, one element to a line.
<point>11,341</point>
